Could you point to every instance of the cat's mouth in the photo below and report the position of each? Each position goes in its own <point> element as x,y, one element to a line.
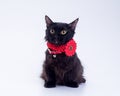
<point>57,42</point>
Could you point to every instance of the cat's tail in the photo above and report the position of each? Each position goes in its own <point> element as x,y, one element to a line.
<point>43,76</point>
<point>82,80</point>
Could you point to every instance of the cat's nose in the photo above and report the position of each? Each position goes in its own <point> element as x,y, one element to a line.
<point>56,39</point>
<point>56,42</point>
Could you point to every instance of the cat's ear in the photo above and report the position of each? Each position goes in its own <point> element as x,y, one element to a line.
<point>73,24</point>
<point>48,20</point>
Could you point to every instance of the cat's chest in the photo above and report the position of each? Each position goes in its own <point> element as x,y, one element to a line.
<point>60,60</point>
<point>60,63</point>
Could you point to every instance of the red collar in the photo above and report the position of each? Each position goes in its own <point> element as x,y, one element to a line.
<point>69,48</point>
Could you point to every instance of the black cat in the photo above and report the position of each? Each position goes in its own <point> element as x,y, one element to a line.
<point>61,67</point>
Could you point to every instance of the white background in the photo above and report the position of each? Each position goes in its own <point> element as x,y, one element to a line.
<point>22,45</point>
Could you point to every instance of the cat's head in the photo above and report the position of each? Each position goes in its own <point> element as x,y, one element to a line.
<point>59,33</point>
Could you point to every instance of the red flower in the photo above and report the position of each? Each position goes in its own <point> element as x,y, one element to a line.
<point>70,48</point>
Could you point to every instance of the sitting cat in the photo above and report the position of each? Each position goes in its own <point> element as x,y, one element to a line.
<point>62,65</point>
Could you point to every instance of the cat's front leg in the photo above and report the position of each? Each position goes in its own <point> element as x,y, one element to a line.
<point>69,80</point>
<point>49,84</point>
<point>72,84</point>
<point>51,81</point>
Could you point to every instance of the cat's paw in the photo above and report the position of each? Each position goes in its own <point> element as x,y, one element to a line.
<point>83,80</point>
<point>49,84</point>
<point>72,84</point>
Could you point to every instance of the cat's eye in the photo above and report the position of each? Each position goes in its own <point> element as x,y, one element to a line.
<point>52,31</point>
<point>63,32</point>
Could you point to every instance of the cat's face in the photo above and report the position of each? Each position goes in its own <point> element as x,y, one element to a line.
<point>59,33</point>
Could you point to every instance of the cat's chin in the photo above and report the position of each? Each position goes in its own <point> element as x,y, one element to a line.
<point>57,43</point>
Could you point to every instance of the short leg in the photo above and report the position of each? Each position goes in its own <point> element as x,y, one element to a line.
<point>72,84</point>
<point>69,80</point>
<point>50,82</point>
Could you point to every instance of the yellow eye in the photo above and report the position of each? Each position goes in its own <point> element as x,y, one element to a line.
<point>63,32</point>
<point>52,31</point>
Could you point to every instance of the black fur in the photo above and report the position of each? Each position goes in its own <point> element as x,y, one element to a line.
<point>61,70</point>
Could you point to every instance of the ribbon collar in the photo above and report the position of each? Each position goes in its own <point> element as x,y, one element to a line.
<point>69,48</point>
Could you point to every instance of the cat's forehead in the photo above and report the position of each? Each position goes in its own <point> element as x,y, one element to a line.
<point>60,25</point>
